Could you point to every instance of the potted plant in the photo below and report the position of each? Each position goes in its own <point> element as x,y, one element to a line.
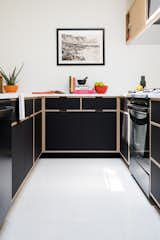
<point>11,79</point>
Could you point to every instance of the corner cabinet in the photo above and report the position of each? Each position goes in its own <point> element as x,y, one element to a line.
<point>26,141</point>
<point>89,124</point>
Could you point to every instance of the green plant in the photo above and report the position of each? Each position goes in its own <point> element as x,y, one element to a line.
<point>11,78</point>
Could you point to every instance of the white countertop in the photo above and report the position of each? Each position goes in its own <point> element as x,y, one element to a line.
<point>143,95</point>
<point>30,95</point>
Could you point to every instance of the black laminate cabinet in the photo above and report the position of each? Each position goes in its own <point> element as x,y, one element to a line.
<point>98,131</point>
<point>22,152</point>
<point>123,104</point>
<point>38,135</point>
<point>81,131</point>
<point>124,135</point>
<point>5,162</point>
<point>155,143</point>
<point>38,104</point>
<point>28,107</point>
<point>155,181</point>
<point>62,103</point>
<point>99,103</point>
<point>62,131</point>
<point>155,111</point>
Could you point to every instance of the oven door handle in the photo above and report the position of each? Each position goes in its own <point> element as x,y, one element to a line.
<point>138,109</point>
<point>142,121</point>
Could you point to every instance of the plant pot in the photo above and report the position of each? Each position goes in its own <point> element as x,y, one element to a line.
<point>10,88</point>
<point>101,89</point>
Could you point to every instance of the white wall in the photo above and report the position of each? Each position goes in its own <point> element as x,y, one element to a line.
<point>28,34</point>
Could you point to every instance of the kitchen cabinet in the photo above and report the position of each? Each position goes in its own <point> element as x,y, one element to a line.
<point>99,103</point>
<point>28,107</point>
<point>143,23</point>
<point>38,135</point>
<point>136,19</point>
<point>123,104</point>
<point>124,135</point>
<point>81,131</point>
<point>5,162</point>
<point>38,104</point>
<point>62,103</point>
<point>62,131</point>
<point>155,114</point>
<point>22,152</point>
<point>155,180</point>
<point>153,10</point>
<point>98,131</point>
<point>155,143</point>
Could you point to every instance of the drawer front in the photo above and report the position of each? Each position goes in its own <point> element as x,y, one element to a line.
<point>28,107</point>
<point>38,104</point>
<point>123,104</point>
<point>63,103</point>
<point>155,181</point>
<point>99,103</point>
<point>155,111</point>
<point>155,143</point>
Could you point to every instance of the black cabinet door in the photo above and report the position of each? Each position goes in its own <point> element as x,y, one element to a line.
<point>123,104</point>
<point>18,153</point>
<point>28,143</point>
<point>28,107</point>
<point>124,135</point>
<point>155,143</point>
<point>38,104</point>
<point>155,180</point>
<point>22,152</point>
<point>38,135</point>
<point>62,131</point>
<point>81,131</point>
<point>98,131</point>
<point>155,113</point>
<point>5,163</point>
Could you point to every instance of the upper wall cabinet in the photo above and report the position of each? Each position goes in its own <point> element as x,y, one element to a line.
<point>153,11</point>
<point>142,22</point>
<point>136,19</point>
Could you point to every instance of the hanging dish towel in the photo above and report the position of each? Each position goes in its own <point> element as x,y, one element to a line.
<point>21,107</point>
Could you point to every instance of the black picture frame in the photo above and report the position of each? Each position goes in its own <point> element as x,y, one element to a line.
<point>61,62</point>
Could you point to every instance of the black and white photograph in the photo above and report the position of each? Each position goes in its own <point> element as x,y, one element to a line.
<point>80,46</point>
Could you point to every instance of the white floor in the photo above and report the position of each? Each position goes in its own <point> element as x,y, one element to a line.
<point>81,199</point>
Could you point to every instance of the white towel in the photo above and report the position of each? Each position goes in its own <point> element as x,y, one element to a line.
<point>21,107</point>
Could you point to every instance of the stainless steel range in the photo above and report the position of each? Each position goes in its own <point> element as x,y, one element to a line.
<point>139,141</point>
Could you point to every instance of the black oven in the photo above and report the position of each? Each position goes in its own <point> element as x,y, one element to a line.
<point>139,141</point>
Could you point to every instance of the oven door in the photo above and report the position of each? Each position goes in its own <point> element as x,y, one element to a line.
<point>139,137</point>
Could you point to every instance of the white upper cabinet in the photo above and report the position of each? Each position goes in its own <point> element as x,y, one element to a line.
<point>142,25</point>
<point>153,11</point>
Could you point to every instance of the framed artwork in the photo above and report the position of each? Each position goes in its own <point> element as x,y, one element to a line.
<point>81,46</point>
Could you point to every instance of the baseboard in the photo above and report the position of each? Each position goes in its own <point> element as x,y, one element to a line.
<point>80,155</point>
